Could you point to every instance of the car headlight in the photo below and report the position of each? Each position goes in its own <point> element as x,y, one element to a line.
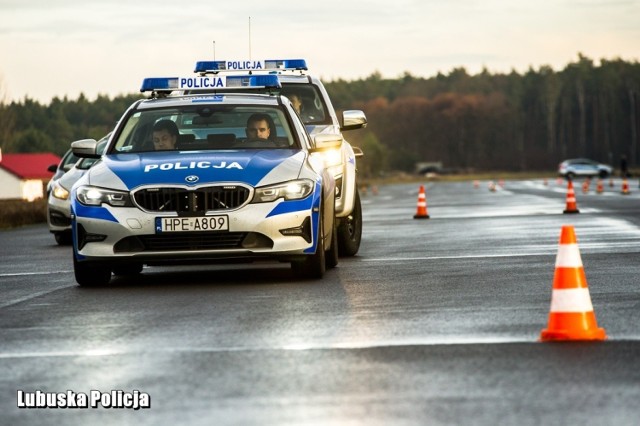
<point>59,192</point>
<point>331,157</point>
<point>292,190</point>
<point>94,196</point>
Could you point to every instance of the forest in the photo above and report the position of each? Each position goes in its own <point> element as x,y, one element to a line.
<point>484,122</point>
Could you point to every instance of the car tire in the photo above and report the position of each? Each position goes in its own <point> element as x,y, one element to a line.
<point>313,266</point>
<point>89,274</point>
<point>331,256</point>
<point>127,270</point>
<point>603,174</point>
<point>570,176</point>
<point>350,230</point>
<point>63,238</point>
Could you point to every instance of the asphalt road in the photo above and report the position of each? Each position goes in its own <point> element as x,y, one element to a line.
<point>434,322</point>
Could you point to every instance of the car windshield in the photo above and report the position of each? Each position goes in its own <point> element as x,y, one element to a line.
<point>205,127</point>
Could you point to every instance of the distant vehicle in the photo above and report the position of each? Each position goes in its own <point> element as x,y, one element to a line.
<point>59,204</point>
<point>65,164</point>
<point>583,167</point>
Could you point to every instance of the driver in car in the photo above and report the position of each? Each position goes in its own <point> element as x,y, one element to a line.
<point>260,126</point>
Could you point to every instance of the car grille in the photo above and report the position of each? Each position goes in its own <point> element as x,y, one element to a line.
<point>181,242</point>
<point>207,241</point>
<point>198,200</point>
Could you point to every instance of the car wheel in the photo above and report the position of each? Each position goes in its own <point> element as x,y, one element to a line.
<point>570,176</point>
<point>63,238</point>
<point>331,255</point>
<point>350,230</point>
<point>603,174</point>
<point>126,270</point>
<point>314,265</point>
<point>89,274</point>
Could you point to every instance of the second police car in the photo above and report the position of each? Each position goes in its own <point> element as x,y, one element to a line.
<point>314,106</point>
<point>220,193</point>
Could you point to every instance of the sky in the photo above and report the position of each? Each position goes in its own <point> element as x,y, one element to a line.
<point>58,48</point>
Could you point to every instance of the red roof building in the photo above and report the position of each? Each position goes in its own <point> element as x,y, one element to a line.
<point>22,176</point>
<point>29,166</point>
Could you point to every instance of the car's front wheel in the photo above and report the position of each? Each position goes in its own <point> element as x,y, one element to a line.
<point>331,256</point>
<point>89,274</point>
<point>313,266</point>
<point>350,230</point>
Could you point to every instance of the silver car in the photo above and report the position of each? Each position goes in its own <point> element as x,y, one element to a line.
<point>320,118</point>
<point>58,202</point>
<point>578,167</point>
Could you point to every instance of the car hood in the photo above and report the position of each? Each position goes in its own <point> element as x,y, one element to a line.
<point>322,128</point>
<point>68,179</point>
<point>252,167</point>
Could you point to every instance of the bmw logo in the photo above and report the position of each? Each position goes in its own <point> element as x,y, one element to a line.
<point>191,179</point>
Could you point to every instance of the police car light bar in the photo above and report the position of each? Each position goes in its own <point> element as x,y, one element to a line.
<point>268,81</point>
<point>266,65</point>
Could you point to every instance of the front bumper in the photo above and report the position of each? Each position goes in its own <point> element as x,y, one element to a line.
<point>283,230</point>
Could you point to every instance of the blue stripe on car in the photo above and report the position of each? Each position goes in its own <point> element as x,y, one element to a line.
<point>171,167</point>
<point>94,212</point>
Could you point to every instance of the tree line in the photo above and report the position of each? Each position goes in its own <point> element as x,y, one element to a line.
<point>528,121</point>
<point>487,121</point>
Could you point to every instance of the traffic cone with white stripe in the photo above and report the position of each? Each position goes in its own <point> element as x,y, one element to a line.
<point>421,212</point>
<point>572,205</point>
<point>571,316</point>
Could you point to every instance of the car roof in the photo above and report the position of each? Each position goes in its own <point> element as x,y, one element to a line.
<point>204,98</point>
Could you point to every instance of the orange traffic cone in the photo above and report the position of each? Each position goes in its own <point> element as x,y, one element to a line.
<point>421,213</point>
<point>572,206</point>
<point>585,186</point>
<point>625,187</point>
<point>600,187</point>
<point>571,316</point>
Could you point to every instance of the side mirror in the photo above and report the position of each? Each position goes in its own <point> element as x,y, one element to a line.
<point>85,148</point>
<point>353,119</point>
<point>52,168</point>
<point>326,141</point>
<point>357,151</point>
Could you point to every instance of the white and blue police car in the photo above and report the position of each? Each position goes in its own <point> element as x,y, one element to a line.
<point>220,189</point>
<point>319,116</point>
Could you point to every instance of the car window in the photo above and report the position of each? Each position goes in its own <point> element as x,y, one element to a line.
<point>205,127</point>
<point>68,161</point>
<point>86,163</point>
<point>314,110</point>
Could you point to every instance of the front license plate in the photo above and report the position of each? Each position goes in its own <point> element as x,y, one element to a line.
<point>191,224</point>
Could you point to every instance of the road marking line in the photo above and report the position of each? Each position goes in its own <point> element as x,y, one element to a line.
<point>32,296</point>
<point>20,274</point>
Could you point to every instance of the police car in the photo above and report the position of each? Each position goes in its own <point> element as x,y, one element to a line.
<point>218,190</point>
<point>320,118</point>
<point>58,201</point>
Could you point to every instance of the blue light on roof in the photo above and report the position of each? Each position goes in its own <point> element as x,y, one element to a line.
<point>211,83</point>
<point>203,66</point>
<point>269,81</point>
<point>249,65</point>
<point>159,83</point>
<point>286,64</point>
